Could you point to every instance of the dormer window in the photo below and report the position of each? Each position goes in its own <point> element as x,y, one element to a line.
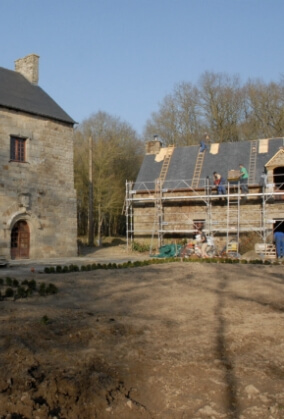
<point>18,149</point>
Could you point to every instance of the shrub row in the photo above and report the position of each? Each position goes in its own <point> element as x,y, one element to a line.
<point>11,287</point>
<point>138,247</point>
<point>129,264</point>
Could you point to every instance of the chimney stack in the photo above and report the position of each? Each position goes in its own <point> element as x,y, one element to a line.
<point>153,147</point>
<point>28,67</point>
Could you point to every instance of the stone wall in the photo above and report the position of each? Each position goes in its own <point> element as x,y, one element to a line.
<point>28,67</point>
<point>179,218</point>
<point>40,190</point>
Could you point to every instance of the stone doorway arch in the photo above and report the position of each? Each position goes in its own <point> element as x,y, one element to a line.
<point>20,240</point>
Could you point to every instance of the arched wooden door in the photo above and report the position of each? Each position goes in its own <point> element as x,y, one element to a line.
<point>20,241</point>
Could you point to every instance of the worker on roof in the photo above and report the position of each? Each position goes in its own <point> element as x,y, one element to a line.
<point>203,146</point>
<point>204,142</point>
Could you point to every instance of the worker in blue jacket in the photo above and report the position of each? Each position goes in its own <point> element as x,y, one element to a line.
<point>279,243</point>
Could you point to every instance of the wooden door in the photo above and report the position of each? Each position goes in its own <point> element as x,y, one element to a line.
<point>20,241</point>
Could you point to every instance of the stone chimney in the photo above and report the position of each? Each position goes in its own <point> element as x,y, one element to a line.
<point>153,147</point>
<point>28,67</point>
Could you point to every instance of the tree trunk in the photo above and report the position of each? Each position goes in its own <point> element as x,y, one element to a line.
<point>91,198</point>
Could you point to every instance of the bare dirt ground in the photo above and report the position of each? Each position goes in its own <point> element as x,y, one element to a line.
<point>172,341</point>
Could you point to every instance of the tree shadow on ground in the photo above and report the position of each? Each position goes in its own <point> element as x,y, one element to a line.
<point>223,355</point>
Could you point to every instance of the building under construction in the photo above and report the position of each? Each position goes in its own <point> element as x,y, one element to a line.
<point>174,193</point>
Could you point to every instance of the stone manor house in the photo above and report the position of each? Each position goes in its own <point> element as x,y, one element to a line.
<point>37,196</point>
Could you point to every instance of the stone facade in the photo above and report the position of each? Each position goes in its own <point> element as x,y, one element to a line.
<point>40,190</point>
<point>180,216</point>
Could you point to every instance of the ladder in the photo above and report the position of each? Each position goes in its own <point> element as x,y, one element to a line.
<point>158,214</point>
<point>233,218</point>
<point>197,169</point>
<point>124,208</point>
<point>166,164</point>
<point>158,211</point>
<point>252,162</point>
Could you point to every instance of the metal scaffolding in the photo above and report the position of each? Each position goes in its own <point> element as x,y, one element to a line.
<point>155,199</point>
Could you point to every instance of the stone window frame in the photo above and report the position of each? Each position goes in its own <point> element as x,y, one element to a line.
<point>199,223</point>
<point>18,149</point>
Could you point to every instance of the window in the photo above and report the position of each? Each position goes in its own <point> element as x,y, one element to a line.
<point>18,149</point>
<point>198,224</point>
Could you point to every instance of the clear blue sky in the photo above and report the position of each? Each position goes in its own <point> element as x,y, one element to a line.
<point>124,56</point>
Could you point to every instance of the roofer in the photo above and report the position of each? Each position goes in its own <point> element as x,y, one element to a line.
<point>203,146</point>
<point>203,143</point>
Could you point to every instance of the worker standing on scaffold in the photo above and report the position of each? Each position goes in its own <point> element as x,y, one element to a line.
<point>219,181</point>
<point>243,179</point>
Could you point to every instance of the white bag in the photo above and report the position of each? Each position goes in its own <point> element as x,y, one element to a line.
<point>210,240</point>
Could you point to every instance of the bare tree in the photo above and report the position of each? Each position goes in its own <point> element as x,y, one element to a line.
<point>220,106</point>
<point>265,105</point>
<point>117,154</point>
<point>222,102</point>
<point>178,120</point>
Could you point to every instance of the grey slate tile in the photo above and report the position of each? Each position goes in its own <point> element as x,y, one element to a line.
<point>183,162</point>
<point>17,93</point>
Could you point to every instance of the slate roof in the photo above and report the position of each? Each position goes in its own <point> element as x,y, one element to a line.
<point>17,93</point>
<point>182,164</point>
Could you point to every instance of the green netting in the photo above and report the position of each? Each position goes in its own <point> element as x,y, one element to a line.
<point>168,251</point>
